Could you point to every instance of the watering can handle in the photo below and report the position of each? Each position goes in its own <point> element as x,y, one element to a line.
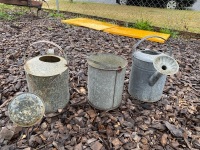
<point>47,42</point>
<point>152,36</point>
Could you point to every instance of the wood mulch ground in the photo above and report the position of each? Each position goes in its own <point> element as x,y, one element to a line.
<point>173,123</point>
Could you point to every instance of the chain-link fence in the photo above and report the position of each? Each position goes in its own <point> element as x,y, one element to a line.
<point>181,15</point>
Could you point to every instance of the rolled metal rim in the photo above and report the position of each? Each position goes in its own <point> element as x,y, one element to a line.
<point>146,56</point>
<point>170,68</point>
<point>102,60</point>
<point>36,67</point>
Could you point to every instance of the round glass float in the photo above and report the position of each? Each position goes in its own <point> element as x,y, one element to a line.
<point>26,109</point>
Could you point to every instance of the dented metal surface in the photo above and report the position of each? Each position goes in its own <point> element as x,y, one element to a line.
<point>54,90</point>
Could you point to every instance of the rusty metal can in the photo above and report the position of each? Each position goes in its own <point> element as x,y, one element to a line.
<point>47,76</point>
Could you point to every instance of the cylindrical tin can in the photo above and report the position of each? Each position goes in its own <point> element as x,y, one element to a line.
<point>106,74</point>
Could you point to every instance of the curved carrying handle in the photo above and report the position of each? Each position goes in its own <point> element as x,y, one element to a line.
<point>47,42</point>
<point>151,36</point>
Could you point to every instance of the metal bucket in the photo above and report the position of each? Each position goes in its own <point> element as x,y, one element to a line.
<point>106,74</point>
<point>47,76</point>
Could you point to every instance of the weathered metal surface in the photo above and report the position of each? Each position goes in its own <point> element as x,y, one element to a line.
<point>29,3</point>
<point>45,66</point>
<point>139,87</point>
<point>26,109</point>
<point>146,79</point>
<point>106,74</point>
<point>47,76</point>
<point>54,90</point>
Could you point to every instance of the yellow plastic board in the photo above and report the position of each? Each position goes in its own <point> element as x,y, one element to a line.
<point>136,33</point>
<point>90,23</point>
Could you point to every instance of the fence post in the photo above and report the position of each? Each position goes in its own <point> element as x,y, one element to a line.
<point>57,5</point>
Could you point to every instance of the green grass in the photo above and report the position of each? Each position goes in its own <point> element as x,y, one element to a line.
<point>184,20</point>
<point>172,33</point>
<point>9,12</point>
<point>143,25</point>
<point>56,15</point>
<point>5,16</point>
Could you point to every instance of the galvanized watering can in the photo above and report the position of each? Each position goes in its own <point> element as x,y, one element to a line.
<point>106,74</point>
<point>149,71</point>
<point>47,76</point>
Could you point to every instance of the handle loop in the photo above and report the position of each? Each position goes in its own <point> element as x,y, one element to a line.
<point>151,36</point>
<point>47,42</point>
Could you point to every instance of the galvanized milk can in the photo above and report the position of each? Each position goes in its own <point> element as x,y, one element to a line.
<point>106,74</point>
<point>47,76</point>
<point>148,73</point>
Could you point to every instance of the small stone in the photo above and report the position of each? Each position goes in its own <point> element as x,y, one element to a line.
<point>163,140</point>
<point>84,140</point>
<point>91,140</point>
<point>6,113</point>
<point>136,138</point>
<point>28,148</point>
<point>143,127</point>
<point>91,113</point>
<point>2,122</point>
<point>44,125</point>
<point>196,143</point>
<point>60,110</point>
<point>6,134</point>
<point>69,126</point>
<point>127,124</point>
<point>144,141</point>
<point>96,146</point>
<point>46,134</point>
<point>168,108</point>
<point>8,147</point>
<point>129,145</point>
<point>116,142</point>
<point>78,147</point>
<point>18,129</point>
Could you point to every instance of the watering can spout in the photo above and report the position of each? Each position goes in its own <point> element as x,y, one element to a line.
<point>164,65</point>
<point>154,78</point>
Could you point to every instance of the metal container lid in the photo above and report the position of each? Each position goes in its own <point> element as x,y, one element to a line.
<point>147,55</point>
<point>106,61</point>
<point>26,109</point>
<point>46,65</point>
